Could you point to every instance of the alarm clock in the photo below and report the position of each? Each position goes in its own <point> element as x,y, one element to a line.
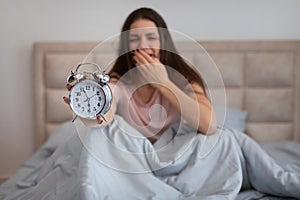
<point>90,95</point>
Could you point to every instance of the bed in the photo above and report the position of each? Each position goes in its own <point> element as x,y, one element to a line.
<point>268,69</point>
<point>261,78</point>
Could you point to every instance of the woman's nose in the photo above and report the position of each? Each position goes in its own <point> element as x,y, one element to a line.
<point>143,43</point>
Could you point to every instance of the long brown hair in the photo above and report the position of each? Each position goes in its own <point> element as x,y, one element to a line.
<point>168,53</point>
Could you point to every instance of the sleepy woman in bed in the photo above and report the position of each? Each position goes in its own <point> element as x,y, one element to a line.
<point>154,88</point>
<point>140,80</point>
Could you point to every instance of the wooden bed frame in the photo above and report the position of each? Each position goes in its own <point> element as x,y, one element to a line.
<point>261,77</point>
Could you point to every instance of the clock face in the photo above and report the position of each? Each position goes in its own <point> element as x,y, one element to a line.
<point>87,99</point>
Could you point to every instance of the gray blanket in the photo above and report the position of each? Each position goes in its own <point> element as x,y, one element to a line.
<point>117,162</point>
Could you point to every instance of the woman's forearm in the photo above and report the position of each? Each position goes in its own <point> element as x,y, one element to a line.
<point>197,111</point>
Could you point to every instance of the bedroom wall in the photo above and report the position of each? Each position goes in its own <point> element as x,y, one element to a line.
<point>24,22</point>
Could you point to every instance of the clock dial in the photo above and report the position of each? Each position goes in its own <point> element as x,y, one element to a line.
<point>87,99</point>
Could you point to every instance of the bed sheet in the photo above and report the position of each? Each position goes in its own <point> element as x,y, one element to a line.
<point>25,177</point>
<point>287,155</point>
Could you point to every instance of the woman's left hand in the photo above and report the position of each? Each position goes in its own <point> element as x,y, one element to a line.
<point>152,70</point>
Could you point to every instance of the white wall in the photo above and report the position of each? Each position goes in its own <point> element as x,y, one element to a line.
<point>25,22</point>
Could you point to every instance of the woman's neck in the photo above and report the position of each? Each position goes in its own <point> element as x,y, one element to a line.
<point>145,92</point>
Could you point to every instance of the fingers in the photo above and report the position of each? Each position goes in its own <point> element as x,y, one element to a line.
<point>139,58</point>
<point>66,100</point>
<point>69,87</point>
<point>99,119</point>
<point>142,57</point>
<point>145,55</point>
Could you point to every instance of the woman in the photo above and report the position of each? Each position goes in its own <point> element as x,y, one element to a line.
<point>154,88</point>
<point>147,44</point>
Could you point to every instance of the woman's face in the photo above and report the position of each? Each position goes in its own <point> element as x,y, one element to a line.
<point>143,34</point>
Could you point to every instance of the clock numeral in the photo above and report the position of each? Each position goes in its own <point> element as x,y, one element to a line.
<point>78,105</point>
<point>100,99</point>
<point>76,99</point>
<point>98,93</point>
<point>81,89</point>
<point>87,87</point>
<point>94,109</point>
<point>78,94</point>
<point>89,110</point>
<point>93,89</point>
<point>98,104</point>
<point>82,108</point>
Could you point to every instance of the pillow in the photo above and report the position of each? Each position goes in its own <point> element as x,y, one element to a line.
<point>231,117</point>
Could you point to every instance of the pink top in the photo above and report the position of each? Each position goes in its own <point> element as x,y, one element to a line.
<point>151,118</point>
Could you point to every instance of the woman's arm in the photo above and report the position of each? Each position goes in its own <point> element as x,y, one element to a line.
<point>197,111</point>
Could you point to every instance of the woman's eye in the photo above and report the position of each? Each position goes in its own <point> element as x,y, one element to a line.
<point>152,38</point>
<point>133,40</point>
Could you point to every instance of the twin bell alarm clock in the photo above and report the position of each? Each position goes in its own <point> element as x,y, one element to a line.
<point>90,95</point>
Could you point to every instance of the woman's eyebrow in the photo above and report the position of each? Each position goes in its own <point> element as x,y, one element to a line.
<point>137,35</point>
<point>151,34</point>
<point>133,35</point>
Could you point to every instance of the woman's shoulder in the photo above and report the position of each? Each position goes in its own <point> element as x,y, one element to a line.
<point>116,82</point>
<point>119,81</point>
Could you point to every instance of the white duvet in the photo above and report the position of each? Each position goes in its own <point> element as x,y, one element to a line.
<point>105,163</point>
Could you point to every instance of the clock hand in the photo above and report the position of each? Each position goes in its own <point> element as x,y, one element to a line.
<point>85,95</point>
<point>89,98</point>
<point>92,96</point>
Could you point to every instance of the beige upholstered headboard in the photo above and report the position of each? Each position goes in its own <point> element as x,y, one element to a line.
<point>261,77</point>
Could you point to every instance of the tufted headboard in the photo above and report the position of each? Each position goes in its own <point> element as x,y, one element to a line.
<point>261,77</point>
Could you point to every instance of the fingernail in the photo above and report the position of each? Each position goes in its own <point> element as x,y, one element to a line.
<point>151,54</point>
<point>138,50</point>
<point>132,51</point>
<point>100,120</point>
<point>65,99</point>
<point>68,86</point>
